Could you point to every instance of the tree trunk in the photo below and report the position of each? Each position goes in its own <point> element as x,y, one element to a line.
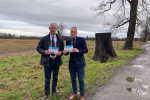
<point>145,38</point>
<point>58,33</point>
<point>145,34</point>
<point>131,29</point>
<point>103,47</point>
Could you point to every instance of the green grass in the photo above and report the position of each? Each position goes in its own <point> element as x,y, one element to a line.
<point>22,77</point>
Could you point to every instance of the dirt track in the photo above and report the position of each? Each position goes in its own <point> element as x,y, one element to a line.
<point>130,82</point>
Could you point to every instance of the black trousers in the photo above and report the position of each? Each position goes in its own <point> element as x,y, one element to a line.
<point>48,70</point>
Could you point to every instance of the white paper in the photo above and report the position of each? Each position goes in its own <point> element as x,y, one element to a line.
<point>54,50</point>
<point>68,48</point>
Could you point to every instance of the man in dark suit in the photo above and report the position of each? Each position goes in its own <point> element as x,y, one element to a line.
<point>77,61</point>
<point>51,62</point>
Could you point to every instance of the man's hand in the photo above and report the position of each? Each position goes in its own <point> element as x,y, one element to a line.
<point>59,53</point>
<point>75,50</point>
<point>65,52</point>
<point>47,52</point>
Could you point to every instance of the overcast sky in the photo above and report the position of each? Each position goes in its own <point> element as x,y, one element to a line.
<point>32,17</point>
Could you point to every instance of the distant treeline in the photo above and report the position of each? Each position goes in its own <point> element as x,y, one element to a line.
<point>13,36</point>
<point>118,39</point>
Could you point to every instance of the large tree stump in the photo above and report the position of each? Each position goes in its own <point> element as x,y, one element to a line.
<point>103,47</point>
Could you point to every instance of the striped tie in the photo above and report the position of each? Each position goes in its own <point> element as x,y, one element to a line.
<point>53,44</point>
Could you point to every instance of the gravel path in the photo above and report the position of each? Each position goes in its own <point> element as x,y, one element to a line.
<point>130,82</point>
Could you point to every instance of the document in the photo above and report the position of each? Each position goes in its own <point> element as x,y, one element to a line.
<point>54,50</point>
<point>68,48</point>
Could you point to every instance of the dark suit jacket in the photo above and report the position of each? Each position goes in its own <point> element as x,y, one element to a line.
<point>78,57</point>
<point>44,45</point>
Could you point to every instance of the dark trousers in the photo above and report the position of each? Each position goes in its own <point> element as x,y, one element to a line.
<point>74,69</point>
<point>47,70</point>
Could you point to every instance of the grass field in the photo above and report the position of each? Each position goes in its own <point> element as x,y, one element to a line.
<point>22,77</point>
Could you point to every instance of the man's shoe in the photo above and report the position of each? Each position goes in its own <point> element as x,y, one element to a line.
<point>82,98</point>
<point>58,93</point>
<point>72,97</point>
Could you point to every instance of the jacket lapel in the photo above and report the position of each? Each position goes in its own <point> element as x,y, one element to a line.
<point>70,41</point>
<point>58,40</point>
<point>57,43</point>
<point>48,38</point>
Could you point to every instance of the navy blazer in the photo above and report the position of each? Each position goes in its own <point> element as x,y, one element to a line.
<point>78,57</point>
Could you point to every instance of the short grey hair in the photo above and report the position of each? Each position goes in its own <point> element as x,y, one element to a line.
<point>53,23</point>
<point>73,27</point>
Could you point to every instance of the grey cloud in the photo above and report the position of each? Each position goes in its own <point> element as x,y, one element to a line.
<point>43,12</point>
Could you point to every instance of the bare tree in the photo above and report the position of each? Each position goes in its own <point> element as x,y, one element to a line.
<point>146,29</point>
<point>58,32</point>
<point>128,13</point>
<point>61,28</point>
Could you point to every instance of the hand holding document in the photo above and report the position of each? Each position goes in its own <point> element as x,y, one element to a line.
<point>68,48</point>
<point>54,50</point>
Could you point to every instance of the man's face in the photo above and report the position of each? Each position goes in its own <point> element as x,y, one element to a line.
<point>73,32</point>
<point>52,29</point>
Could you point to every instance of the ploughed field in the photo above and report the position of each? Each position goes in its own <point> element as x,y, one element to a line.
<point>24,46</point>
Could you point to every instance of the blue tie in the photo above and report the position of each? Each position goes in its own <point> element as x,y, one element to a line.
<point>74,42</point>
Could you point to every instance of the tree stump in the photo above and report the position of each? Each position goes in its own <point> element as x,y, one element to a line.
<point>103,47</point>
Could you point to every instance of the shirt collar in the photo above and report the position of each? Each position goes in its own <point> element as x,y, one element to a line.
<point>74,38</point>
<point>53,36</point>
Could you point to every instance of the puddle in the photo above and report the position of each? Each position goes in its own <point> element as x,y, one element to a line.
<point>132,79</point>
<point>137,91</point>
<point>141,66</point>
<point>146,86</point>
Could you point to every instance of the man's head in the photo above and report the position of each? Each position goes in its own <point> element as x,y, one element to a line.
<point>73,32</point>
<point>52,28</point>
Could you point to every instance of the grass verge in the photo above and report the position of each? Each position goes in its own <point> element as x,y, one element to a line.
<point>21,77</point>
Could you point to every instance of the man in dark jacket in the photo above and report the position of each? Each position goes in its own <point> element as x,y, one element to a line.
<point>51,62</point>
<point>77,61</point>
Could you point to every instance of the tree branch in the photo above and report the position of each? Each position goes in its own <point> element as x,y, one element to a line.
<point>112,2</point>
<point>102,9</point>
<point>117,26</point>
<point>129,1</point>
